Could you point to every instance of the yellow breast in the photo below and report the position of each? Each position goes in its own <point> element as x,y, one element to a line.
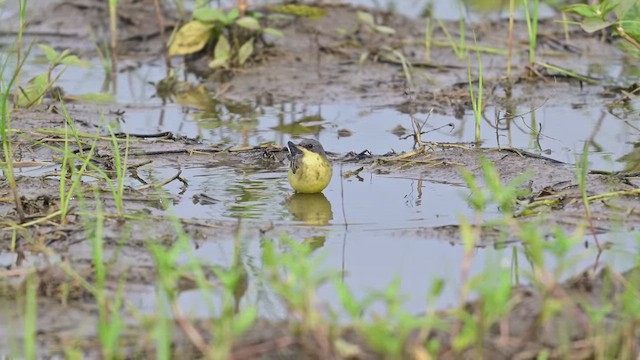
<point>313,174</point>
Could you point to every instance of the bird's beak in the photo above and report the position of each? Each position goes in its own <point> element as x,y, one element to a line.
<point>294,149</point>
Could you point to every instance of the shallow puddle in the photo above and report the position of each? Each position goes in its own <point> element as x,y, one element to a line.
<point>367,226</point>
<point>380,242</point>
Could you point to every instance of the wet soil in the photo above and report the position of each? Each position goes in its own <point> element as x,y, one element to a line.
<point>312,63</point>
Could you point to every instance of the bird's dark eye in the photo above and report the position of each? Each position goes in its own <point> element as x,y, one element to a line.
<point>309,146</point>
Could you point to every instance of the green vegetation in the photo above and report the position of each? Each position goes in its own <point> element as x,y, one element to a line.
<point>234,36</point>
<point>476,97</point>
<point>625,21</point>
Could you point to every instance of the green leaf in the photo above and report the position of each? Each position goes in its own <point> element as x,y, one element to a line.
<point>33,93</point>
<point>436,287</point>
<point>216,63</point>
<point>245,52</point>
<point>191,38</point>
<point>49,52</point>
<point>365,18</point>
<point>624,7</point>
<point>582,10</point>
<point>206,14</point>
<point>223,49</point>
<point>594,24</point>
<point>232,15</point>
<point>630,20</point>
<point>606,6</point>
<point>348,301</point>
<point>73,60</point>
<point>272,31</point>
<point>243,320</point>
<point>248,22</point>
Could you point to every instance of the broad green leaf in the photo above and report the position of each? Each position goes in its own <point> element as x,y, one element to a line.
<point>223,49</point>
<point>385,30</point>
<point>216,63</point>
<point>348,301</point>
<point>630,19</point>
<point>624,7</point>
<point>73,60</point>
<point>248,22</point>
<point>243,320</point>
<point>365,18</point>
<point>191,38</point>
<point>582,10</point>
<point>632,29</point>
<point>232,15</point>
<point>33,93</point>
<point>207,14</point>
<point>272,31</point>
<point>245,52</point>
<point>49,52</point>
<point>594,24</point>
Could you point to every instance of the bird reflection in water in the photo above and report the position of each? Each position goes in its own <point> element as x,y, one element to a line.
<point>311,209</point>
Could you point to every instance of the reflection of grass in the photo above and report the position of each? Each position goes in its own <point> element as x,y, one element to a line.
<point>110,320</point>
<point>476,98</point>
<point>30,318</point>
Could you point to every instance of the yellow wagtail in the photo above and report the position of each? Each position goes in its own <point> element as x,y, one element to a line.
<point>310,171</point>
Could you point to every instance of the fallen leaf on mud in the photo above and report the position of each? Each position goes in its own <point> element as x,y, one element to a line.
<point>347,350</point>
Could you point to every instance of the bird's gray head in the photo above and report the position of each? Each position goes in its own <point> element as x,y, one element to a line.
<point>309,144</point>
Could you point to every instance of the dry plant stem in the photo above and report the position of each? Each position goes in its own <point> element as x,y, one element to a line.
<point>417,134</point>
<point>161,184</point>
<point>510,38</point>
<point>192,333</point>
<point>14,189</point>
<point>113,18</point>
<point>242,7</point>
<point>625,36</point>
<point>253,351</point>
<point>16,90</point>
<point>595,238</point>
<point>537,73</point>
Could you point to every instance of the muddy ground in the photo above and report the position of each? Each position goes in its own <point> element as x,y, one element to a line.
<point>311,64</point>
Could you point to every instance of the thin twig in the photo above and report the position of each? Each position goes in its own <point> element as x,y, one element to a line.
<point>192,333</point>
<point>161,184</point>
<point>251,352</point>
